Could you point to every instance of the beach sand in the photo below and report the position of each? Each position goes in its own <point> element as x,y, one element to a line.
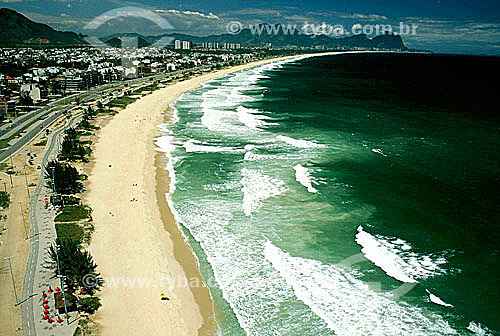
<point>136,237</point>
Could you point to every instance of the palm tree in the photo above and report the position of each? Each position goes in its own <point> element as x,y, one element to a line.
<point>74,263</point>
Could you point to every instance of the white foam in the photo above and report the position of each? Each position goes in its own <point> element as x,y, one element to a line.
<point>193,146</point>
<point>249,156</point>
<point>478,329</point>
<point>258,187</point>
<point>303,176</point>
<point>395,258</point>
<point>299,143</point>
<point>249,118</point>
<point>437,300</point>
<point>347,305</point>
<point>257,294</point>
<point>165,144</point>
<point>378,151</point>
<point>222,187</point>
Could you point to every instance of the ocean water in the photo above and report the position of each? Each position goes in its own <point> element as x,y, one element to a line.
<point>349,194</point>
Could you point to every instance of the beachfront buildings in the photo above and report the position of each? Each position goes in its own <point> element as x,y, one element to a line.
<point>184,45</point>
<point>47,74</point>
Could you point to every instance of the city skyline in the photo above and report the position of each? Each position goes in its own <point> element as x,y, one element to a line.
<point>443,26</point>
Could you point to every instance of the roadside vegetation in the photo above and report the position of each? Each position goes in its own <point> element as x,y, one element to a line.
<point>63,177</point>
<point>4,200</point>
<point>72,148</point>
<point>73,222</point>
<point>75,263</point>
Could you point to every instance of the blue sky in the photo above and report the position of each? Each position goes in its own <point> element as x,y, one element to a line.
<point>453,26</point>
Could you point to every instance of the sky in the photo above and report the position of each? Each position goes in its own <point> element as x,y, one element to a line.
<point>448,26</point>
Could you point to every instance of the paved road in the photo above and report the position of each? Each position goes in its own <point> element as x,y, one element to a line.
<point>19,122</point>
<point>32,132</point>
<point>43,233</point>
<point>37,279</point>
<point>10,129</point>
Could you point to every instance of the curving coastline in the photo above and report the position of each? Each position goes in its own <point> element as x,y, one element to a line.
<point>139,248</point>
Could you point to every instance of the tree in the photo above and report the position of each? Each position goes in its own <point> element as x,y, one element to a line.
<point>4,199</point>
<point>89,305</point>
<point>71,133</point>
<point>66,178</point>
<point>75,263</point>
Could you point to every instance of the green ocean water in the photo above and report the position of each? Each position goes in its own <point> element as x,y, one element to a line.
<point>350,194</point>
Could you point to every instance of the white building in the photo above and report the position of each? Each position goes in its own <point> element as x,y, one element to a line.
<point>33,91</point>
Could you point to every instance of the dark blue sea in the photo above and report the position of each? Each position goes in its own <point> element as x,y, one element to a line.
<point>348,194</point>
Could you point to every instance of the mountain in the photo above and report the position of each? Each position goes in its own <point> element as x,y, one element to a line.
<point>116,42</point>
<point>281,39</point>
<point>17,30</point>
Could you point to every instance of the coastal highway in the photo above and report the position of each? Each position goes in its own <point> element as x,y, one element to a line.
<point>32,117</point>
<point>21,121</point>
<point>53,110</point>
<point>42,226</point>
<point>42,220</point>
<point>41,237</point>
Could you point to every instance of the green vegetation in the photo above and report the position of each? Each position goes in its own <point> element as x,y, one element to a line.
<point>66,178</point>
<point>4,199</point>
<point>74,262</point>
<point>70,200</point>
<point>70,231</point>
<point>88,115</point>
<point>85,327</point>
<point>89,305</point>
<point>41,143</point>
<point>122,102</point>
<point>73,150</point>
<point>73,213</point>
<point>151,87</point>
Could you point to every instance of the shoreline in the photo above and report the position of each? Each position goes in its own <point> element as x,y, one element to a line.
<point>136,235</point>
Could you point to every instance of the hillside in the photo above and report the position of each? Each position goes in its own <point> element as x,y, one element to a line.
<point>17,30</point>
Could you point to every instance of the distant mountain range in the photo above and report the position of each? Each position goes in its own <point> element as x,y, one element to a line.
<point>247,39</point>
<point>17,30</point>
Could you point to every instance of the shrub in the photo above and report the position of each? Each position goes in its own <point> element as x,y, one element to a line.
<point>89,305</point>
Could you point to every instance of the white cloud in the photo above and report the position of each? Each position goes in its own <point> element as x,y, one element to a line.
<point>369,17</point>
<point>177,12</point>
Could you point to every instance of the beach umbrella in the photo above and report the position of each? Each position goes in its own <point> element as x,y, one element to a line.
<point>50,290</point>
<point>58,289</point>
<point>44,295</point>
<point>59,320</point>
<point>46,306</point>
<point>67,316</point>
<point>51,320</point>
<point>45,317</point>
<point>45,311</point>
<point>45,301</point>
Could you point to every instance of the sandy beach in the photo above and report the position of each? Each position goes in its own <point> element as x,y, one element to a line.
<point>139,249</point>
